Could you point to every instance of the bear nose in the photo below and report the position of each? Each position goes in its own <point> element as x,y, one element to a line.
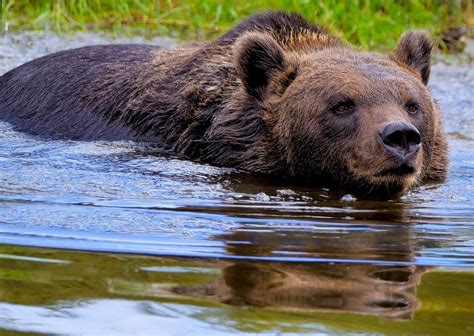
<point>402,140</point>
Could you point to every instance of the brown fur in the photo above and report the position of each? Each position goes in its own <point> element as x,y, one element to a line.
<point>260,98</point>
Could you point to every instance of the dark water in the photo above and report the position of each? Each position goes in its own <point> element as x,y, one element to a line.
<point>216,251</point>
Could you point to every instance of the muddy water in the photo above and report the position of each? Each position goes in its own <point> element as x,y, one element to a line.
<point>171,246</point>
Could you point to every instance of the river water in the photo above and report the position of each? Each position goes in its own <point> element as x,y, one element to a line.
<point>120,238</point>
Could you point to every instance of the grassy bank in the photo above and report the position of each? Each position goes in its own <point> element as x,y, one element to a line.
<point>366,23</point>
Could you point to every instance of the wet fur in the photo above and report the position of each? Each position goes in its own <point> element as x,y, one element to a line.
<point>231,102</point>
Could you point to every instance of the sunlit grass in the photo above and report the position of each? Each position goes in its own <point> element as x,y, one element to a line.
<point>375,23</point>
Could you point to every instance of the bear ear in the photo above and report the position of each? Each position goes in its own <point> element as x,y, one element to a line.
<point>414,49</point>
<point>258,57</point>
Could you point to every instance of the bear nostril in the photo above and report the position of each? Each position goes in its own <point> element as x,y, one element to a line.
<point>393,139</point>
<point>401,139</point>
<point>413,137</point>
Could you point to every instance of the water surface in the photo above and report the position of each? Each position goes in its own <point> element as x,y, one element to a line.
<point>227,251</point>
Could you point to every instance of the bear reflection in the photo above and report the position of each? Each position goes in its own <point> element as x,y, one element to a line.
<point>385,291</point>
<point>356,283</point>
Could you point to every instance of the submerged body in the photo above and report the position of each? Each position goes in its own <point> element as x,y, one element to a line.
<point>274,95</point>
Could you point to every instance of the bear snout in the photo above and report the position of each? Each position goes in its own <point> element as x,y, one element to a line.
<point>401,140</point>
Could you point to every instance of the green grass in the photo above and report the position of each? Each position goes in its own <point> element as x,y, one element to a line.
<point>368,23</point>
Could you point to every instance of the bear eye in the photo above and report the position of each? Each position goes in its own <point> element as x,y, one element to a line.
<point>412,108</point>
<point>343,107</point>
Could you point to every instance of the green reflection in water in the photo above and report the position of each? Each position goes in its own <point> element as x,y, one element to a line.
<point>51,291</point>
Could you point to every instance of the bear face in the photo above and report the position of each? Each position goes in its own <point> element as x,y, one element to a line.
<point>361,119</point>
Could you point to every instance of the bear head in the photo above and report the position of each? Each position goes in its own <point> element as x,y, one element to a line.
<point>330,112</point>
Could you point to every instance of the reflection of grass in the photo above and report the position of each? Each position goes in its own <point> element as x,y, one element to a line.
<point>363,22</point>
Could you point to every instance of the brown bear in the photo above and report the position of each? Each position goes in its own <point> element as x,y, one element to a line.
<point>275,95</point>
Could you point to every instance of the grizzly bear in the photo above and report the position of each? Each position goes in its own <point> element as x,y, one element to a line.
<point>274,95</point>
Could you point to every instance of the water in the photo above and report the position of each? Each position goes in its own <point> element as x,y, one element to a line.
<point>191,247</point>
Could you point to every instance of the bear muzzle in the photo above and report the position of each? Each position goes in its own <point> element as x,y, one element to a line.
<point>402,143</point>
<point>401,140</point>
